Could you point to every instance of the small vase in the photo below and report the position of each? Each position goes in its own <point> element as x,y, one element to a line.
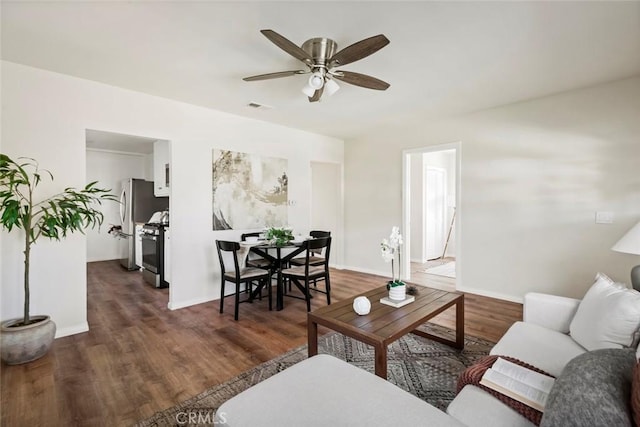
<point>398,293</point>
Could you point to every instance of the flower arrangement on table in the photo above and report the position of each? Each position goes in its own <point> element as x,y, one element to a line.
<point>389,249</point>
<point>279,236</point>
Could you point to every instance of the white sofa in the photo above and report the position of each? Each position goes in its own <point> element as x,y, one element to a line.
<point>556,331</point>
<point>542,339</point>
<point>324,390</point>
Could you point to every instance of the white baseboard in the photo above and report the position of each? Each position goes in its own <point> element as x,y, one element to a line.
<point>490,294</point>
<point>189,303</point>
<point>367,271</point>
<point>72,330</point>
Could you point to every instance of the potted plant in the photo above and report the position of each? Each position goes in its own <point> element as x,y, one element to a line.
<point>279,236</point>
<point>29,337</point>
<point>397,288</point>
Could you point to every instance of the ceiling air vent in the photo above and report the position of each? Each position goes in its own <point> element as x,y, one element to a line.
<point>258,106</point>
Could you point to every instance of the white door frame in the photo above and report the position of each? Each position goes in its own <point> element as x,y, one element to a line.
<point>406,205</point>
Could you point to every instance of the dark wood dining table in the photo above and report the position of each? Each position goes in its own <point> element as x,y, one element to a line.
<point>278,262</point>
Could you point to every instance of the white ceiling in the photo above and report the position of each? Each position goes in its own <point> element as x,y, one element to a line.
<point>444,57</point>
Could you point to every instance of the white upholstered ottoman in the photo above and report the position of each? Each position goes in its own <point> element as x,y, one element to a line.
<point>324,390</point>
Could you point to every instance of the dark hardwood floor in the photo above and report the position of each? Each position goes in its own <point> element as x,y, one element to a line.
<point>140,357</point>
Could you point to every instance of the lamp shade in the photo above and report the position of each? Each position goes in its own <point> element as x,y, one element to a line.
<point>308,90</point>
<point>316,80</point>
<point>330,87</point>
<point>630,242</point>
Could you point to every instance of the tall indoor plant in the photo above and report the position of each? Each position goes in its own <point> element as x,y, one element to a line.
<point>28,338</point>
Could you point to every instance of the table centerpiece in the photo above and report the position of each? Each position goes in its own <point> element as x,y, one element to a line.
<point>279,236</point>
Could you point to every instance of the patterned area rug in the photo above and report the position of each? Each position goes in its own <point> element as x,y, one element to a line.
<point>424,368</point>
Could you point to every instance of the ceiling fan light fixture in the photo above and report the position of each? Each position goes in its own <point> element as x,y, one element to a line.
<point>316,80</point>
<point>308,90</point>
<point>331,87</point>
<point>320,58</point>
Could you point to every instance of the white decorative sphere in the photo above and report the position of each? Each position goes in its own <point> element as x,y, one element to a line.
<point>362,305</point>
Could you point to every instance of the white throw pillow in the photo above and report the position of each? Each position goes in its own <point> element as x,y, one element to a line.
<point>607,317</point>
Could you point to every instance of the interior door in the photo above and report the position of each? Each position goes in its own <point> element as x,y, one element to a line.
<point>435,204</point>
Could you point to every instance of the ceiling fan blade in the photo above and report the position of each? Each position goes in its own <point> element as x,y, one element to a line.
<point>358,50</point>
<point>361,80</point>
<point>316,96</point>
<point>274,75</point>
<point>288,46</point>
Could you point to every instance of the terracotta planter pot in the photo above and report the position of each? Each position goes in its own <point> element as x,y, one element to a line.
<point>22,344</point>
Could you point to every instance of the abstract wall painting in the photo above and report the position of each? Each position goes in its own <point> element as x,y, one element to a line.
<point>249,191</point>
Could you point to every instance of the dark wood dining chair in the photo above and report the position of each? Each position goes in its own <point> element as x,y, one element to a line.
<point>254,260</point>
<point>302,275</point>
<point>317,258</point>
<point>239,276</point>
<point>316,234</point>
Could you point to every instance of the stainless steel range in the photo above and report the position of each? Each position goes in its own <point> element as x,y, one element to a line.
<point>153,254</point>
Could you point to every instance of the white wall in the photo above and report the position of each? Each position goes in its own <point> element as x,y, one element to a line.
<point>109,169</point>
<point>417,208</point>
<point>327,206</point>
<point>533,176</point>
<point>45,116</point>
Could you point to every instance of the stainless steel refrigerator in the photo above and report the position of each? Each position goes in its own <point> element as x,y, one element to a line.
<point>137,205</point>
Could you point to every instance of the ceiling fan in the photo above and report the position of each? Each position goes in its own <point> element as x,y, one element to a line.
<point>320,56</point>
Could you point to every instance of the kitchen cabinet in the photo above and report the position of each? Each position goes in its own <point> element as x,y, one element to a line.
<point>138,249</point>
<point>161,168</point>
<point>167,255</point>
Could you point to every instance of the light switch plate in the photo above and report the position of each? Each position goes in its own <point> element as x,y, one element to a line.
<point>604,217</point>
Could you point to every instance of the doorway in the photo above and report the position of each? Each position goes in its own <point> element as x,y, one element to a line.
<point>431,194</point>
<point>126,164</point>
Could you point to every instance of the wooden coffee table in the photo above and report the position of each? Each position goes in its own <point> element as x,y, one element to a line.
<point>385,324</point>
